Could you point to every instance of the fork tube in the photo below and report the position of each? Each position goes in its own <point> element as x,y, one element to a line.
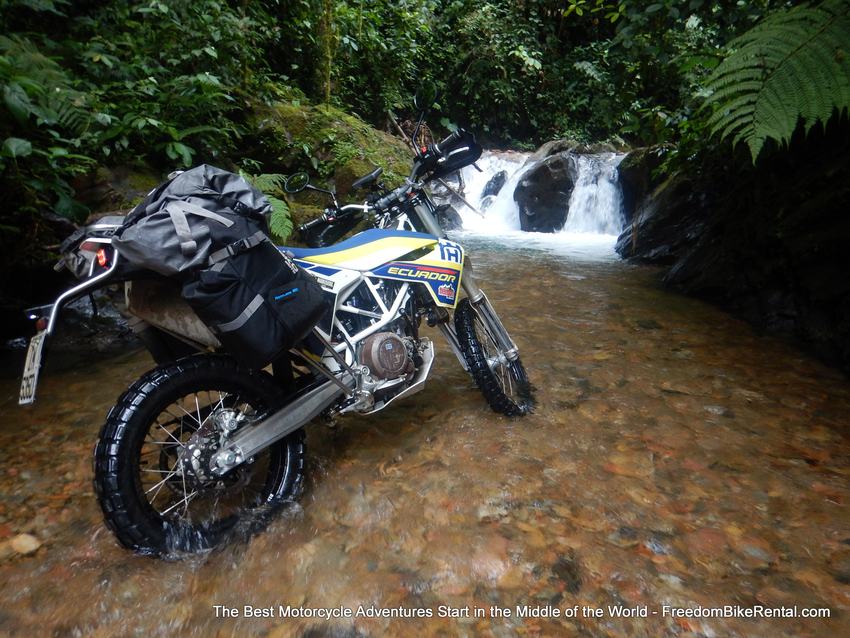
<point>476,296</point>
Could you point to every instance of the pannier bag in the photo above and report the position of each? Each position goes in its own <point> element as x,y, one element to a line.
<point>257,302</point>
<point>207,228</point>
<point>180,223</point>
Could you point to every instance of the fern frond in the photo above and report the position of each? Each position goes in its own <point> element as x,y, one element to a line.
<point>269,182</point>
<point>792,66</point>
<point>34,85</point>
<point>281,221</point>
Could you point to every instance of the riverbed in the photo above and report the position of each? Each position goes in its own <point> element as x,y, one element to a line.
<point>676,458</point>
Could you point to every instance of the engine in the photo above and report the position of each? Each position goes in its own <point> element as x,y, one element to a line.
<point>387,356</point>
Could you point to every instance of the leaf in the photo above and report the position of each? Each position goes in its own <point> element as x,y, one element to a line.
<point>792,66</point>
<point>17,101</point>
<point>178,149</point>
<point>16,147</point>
<point>68,207</point>
<point>281,221</point>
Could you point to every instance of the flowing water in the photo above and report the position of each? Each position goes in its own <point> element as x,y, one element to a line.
<point>675,458</point>
<point>595,205</point>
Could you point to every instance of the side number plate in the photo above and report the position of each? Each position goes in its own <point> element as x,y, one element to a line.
<point>31,368</point>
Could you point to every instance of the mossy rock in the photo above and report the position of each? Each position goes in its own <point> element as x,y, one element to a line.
<point>303,213</point>
<point>110,189</point>
<point>334,147</point>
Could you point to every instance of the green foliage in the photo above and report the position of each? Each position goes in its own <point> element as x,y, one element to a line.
<point>173,83</point>
<point>327,142</point>
<point>794,65</point>
<point>272,186</point>
<point>46,125</point>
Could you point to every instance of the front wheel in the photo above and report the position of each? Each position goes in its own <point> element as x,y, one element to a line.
<point>503,383</point>
<point>176,415</point>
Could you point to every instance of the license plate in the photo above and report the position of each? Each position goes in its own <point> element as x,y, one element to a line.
<point>31,367</point>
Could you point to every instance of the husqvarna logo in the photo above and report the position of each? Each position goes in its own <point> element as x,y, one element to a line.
<point>449,251</point>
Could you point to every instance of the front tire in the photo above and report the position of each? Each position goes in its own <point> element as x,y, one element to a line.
<point>153,506</point>
<point>503,383</point>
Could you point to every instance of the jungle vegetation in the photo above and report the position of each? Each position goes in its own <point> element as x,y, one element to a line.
<point>171,83</point>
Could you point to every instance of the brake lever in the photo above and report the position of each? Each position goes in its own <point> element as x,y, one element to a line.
<point>477,167</point>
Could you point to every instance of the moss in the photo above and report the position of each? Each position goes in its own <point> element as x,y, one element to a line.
<point>302,213</point>
<point>333,146</point>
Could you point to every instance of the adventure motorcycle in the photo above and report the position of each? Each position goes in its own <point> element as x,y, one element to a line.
<point>201,447</point>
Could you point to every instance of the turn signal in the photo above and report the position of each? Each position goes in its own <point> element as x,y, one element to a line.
<point>102,259</point>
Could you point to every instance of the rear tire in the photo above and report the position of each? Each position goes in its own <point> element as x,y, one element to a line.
<point>128,453</point>
<point>504,385</point>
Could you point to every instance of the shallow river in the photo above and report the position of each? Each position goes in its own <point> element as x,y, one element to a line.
<point>676,458</point>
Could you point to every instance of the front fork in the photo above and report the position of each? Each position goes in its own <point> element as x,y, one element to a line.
<point>487,313</point>
<point>476,296</point>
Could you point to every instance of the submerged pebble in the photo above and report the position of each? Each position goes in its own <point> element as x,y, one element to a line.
<point>675,457</point>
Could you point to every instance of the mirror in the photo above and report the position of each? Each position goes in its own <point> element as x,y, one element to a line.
<point>426,96</point>
<point>296,182</point>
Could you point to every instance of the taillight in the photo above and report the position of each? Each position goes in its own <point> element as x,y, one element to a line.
<point>41,324</point>
<point>102,257</point>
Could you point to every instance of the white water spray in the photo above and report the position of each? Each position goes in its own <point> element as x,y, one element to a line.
<point>595,204</point>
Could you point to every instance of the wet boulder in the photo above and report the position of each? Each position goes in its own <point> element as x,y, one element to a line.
<point>449,218</point>
<point>552,147</point>
<point>543,193</point>
<point>636,176</point>
<point>665,224</point>
<point>767,241</point>
<point>494,184</point>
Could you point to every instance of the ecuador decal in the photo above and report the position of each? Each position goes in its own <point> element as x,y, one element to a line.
<point>442,282</point>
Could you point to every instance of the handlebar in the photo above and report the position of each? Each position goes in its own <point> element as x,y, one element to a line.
<point>456,135</point>
<point>436,160</point>
<point>312,223</point>
<point>331,215</point>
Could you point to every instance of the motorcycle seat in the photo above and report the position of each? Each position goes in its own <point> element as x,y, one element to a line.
<point>379,243</point>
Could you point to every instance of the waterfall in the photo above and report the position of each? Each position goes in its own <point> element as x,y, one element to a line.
<point>596,201</point>
<point>500,212</point>
<point>595,205</point>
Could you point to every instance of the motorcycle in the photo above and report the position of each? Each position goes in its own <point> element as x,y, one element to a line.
<point>201,447</point>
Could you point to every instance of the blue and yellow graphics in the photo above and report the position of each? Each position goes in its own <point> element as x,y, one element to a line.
<point>393,254</point>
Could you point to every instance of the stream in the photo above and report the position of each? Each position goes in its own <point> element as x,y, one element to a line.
<point>675,458</point>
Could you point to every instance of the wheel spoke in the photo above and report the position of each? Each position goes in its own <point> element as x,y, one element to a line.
<point>160,484</point>
<point>176,440</point>
<point>183,501</point>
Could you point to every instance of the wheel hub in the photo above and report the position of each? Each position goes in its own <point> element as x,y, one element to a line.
<point>197,456</point>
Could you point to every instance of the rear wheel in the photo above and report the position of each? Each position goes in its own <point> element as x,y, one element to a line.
<point>150,496</point>
<point>503,383</point>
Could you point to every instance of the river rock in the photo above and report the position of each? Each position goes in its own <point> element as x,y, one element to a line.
<point>766,241</point>
<point>494,184</point>
<point>449,218</point>
<point>664,224</point>
<point>636,176</point>
<point>25,544</point>
<point>543,193</point>
<point>552,147</point>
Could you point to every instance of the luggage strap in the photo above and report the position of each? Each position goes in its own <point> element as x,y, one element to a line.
<point>237,247</point>
<point>243,317</point>
<point>178,210</point>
